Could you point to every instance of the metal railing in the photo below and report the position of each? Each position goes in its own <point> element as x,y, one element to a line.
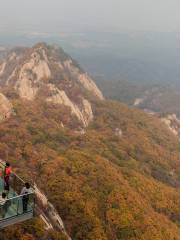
<point>16,204</point>
<point>15,181</point>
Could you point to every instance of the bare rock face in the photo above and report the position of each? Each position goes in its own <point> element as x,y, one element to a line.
<point>138,101</point>
<point>84,114</point>
<point>173,123</point>
<point>48,213</point>
<point>83,79</point>
<point>6,108</point>
<point>49,71</point>
<point>118,132</point>
<point>30,76</point>
<point>2,67</point>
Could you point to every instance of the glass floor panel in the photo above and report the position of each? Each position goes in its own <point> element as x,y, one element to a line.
<point>14,206</point>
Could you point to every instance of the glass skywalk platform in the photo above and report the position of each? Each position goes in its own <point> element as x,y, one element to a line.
<point>12,211</point>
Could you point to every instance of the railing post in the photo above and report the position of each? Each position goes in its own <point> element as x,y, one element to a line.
<point>18,208</point>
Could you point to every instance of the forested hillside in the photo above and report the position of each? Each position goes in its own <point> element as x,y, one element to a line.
<point>111,171</point>
<point>119,179</point>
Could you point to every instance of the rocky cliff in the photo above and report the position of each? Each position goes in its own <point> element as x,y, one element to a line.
<point>48,73</point>
<point>173,123</point>
<point>6,108</point>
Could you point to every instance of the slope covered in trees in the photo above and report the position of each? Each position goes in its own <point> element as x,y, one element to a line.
<point>117,180</point>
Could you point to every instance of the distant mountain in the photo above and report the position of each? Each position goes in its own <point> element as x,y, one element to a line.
<point>160,100</point>
<point>157,98</point>
<point>123,91</point>
<point>111,171</point>
<point>163,101</point>
<point>137,57</point>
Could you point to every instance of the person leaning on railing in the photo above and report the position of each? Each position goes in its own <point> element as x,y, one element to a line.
<point>25,199</point>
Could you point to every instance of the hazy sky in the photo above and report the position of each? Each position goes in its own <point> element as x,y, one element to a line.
<point>58,15</point>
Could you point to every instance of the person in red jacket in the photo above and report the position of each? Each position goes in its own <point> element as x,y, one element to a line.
<point>7,173</point>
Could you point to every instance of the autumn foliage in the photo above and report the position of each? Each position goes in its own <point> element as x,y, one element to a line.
<point>105,185</point>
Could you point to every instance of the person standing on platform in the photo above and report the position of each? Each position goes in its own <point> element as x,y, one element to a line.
<point>7,173</point>
<point>25,199</point>
<point>3,205</point>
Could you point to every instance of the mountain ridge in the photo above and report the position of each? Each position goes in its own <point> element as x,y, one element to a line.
<point>45,69</point>
<point>117,177</point>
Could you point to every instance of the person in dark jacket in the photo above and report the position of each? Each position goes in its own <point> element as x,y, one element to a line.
<point>25,199</point>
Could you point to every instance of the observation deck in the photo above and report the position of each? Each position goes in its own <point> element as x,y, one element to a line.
<point>12,211</point>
